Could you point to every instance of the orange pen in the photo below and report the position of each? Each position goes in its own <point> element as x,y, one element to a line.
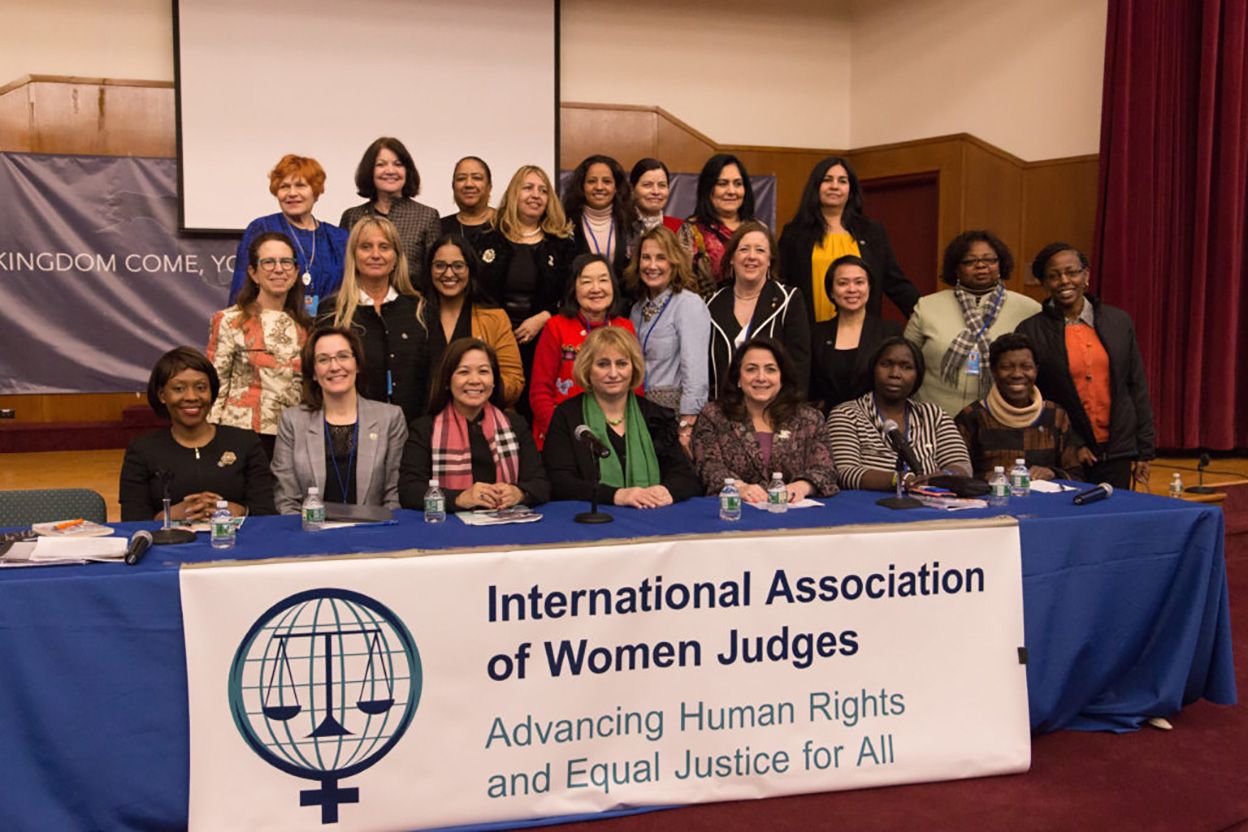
<point>68,524</point>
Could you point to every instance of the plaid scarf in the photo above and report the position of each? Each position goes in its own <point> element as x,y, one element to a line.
<point>975,334</point>
<point>452,451</point>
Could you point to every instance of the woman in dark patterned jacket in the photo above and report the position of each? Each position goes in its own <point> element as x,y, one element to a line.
<point>759,425</point>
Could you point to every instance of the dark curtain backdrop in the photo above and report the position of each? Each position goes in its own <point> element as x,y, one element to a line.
<point>1172,220</point>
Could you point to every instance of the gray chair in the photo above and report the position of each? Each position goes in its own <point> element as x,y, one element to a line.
<point>42,505</point>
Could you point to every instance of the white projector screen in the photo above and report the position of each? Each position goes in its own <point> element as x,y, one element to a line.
<point>323,78</point>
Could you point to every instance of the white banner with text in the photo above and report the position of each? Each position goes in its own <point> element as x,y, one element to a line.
<point>404,692</point>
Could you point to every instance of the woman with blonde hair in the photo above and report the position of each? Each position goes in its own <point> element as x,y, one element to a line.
<point>378,302</point>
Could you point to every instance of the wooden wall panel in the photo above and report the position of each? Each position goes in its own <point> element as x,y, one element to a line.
<point>72,407</point>
<point>15,118</point>
<point>1059,203</point>
<point>992,198</point>
<point>681,149</point>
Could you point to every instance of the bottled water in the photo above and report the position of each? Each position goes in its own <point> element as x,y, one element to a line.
<point>777,495</point>
<point>729,501</point>
<point>435,504</point>
<point>1176,486</point>
<point>1020,479</point>
<point>223,531</point>
<point>999,495</point>
<point>313,511</point>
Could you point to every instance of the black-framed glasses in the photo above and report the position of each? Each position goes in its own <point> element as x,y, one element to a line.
<point>343,358</point>
<point>458,267</point>
<point>272,264</point>
<point>975,262</point>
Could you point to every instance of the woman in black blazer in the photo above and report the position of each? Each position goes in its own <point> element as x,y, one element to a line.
<point>769,308</point>
<point>841,348</point>
<point>829,224</point>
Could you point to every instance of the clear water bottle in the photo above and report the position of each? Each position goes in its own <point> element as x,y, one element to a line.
<point>435,504</point>
<point>313,511</point>
<point>223,532</point>
<point>999,485</point>
<point>777,495</point>
<point>1176,487</point>
<point>1020,479</point>
<point>729,501</point>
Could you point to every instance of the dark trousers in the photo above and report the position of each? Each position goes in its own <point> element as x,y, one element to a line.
<point>1116,472</point>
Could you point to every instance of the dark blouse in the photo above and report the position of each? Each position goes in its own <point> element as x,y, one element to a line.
<point>233,465</point>
<point>340,462</point>
<point>474,234</point>
<point>521,284</point>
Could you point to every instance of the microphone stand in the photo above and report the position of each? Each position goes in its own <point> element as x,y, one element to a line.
<point>594,516</point>
<point>899,500</point>
<point>167,534</point>
<point>1200,470</point>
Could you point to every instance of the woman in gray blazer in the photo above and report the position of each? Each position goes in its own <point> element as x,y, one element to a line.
<point>344,444</point>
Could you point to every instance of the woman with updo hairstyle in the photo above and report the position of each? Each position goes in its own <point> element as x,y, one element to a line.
<point>651,184</point>
<point>388,179</point>
<point>597,201</point>
<point>471,182</point>
<point>320,248</point>
<point>955,328</point>
<point>725,200</point>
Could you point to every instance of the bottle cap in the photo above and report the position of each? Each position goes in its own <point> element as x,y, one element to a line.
<point>776,475</point>
<point>433,483</point>
<point>1020,461</point>
<point>222,504</point>
<point>727,480</point>
<point>313,490</point>
<point>998,469</point>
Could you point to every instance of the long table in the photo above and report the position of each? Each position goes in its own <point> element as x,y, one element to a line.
<point>1125,602</point>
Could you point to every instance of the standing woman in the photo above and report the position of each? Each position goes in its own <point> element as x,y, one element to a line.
<point>842,346</point>
<point>320,248</point>
<point>388,179</point>
<point>598,203</point>
<point>1090,364</point>
<point>481,457</point>
<point>470,187</point>
<point>344,444</point>
<point>456,308</point>
<point>254,345</point>
<point>378,303</point>
<point>956,327</point>
<point>590,303</point>
<point>651,184</point>
<point>829,224</point>
<point>673,326</point>
<point>751,304</point>
<point>725,200</point>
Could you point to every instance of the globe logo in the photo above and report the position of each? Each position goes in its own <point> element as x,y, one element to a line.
<point>322,686</point>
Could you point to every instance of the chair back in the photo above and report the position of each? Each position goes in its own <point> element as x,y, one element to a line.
<point>26,507</point>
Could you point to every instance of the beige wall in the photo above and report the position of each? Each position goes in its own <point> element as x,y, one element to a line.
<point>1024,75</point>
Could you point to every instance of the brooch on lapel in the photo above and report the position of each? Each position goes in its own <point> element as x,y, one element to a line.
<point>784,434</point>
<point>550,261</point>
<point>487,256</point>
<point>228,458</point>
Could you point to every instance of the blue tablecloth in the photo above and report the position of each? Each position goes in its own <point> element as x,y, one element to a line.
<point>1125,605</point>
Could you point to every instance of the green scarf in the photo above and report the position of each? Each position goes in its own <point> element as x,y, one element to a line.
<point>643,464</point>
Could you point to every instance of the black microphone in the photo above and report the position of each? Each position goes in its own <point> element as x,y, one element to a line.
<point>1092,495</point>
<point>586,436</point>
<point>901,445</point>
<point>139,544</point>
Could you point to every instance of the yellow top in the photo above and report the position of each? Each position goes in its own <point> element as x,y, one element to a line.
<point>821,256</point>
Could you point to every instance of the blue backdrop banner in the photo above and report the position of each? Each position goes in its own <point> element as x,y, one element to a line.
<point>95,283</point>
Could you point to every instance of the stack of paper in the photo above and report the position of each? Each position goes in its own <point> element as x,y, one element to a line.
<point>50,551</point>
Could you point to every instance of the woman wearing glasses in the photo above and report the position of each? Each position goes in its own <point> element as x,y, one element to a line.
<point>347,446</point>
<point>955,328</point>
<point>254,345</point>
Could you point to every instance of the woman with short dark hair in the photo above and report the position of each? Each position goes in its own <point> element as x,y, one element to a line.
<point>725,200</point>
<point>471,182</point>
<point>199,462</point>
<point>388,179</point>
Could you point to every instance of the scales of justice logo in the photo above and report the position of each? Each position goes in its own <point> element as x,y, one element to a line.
<point>323,685</point>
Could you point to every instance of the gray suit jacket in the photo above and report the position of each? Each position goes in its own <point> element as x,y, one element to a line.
<point>299,456</point>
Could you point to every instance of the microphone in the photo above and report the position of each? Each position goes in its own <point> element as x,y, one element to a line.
<point>900,444</point>
<point>586,436</point>
<point>139,544</point>
<point>1092,495</point>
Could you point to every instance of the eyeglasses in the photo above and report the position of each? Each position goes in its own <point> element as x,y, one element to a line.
<point>458,267</point>
<point>1072,273</point>
<point>272,264</point>
<point>343,358</point>
<point>975,262</point>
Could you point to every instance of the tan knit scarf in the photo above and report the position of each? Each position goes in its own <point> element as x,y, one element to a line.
<point>1011,416</point>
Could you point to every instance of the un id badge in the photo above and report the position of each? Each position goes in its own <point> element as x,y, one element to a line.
<point>972,362</point>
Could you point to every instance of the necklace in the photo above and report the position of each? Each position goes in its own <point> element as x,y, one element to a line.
<point>740,296</point>
<point>615,423</point>
<point>306,277</point>
<point>532,233</point>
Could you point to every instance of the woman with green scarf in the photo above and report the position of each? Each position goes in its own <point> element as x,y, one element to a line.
<point>646,467</point>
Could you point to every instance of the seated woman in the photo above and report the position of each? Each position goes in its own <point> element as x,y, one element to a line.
<point>1014,421</point>
<point>481,457</point>
<point>298,182</point>
<point>842,346</point>
<point>456,308</point>
<point>197,461</point>
<point>855,430</point>
<point>255,344</point>
<point>589,303</point>
<point>647,467</point>
<point>758,426</point>
<point>345,445</point>
<point>388,179</point>
<point>379,303</point>
<point>752,303</point>
<point>725,200</point>
<point>598,203</point>
<point>471,182</point>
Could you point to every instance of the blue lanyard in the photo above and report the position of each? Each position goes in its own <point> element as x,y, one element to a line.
<point>333,457</point>
<point>653,324</point>
<point>610,237</point>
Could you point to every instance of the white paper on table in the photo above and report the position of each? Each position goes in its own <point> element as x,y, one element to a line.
<point>1050,487</point>
<point>805,502</point>
<point>54,549</point>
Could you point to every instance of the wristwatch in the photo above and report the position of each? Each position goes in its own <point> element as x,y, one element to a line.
<point>686,423</point>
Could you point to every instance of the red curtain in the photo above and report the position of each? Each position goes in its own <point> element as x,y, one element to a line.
<point>1172,218</point>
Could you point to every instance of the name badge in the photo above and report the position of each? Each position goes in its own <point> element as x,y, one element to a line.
<point>972,362</point>
<point>310,303</point>
<point>306,278</point>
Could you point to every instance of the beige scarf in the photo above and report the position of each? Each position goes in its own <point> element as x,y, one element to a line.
<point>1011,416</point>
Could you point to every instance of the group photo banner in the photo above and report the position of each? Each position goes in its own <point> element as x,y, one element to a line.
<point>95,283</point>
<point>417,690</point>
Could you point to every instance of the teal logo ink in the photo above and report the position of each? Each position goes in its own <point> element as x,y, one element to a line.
<point>323,685</point>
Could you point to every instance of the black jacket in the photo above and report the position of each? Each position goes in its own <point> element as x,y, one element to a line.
<point>1131,434</point>
<point>780,314</point>
<point>554,264</point>
<point>887,278</point>
<point>571,467</point>
<point>622,241</point>
<point>825,388</point>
